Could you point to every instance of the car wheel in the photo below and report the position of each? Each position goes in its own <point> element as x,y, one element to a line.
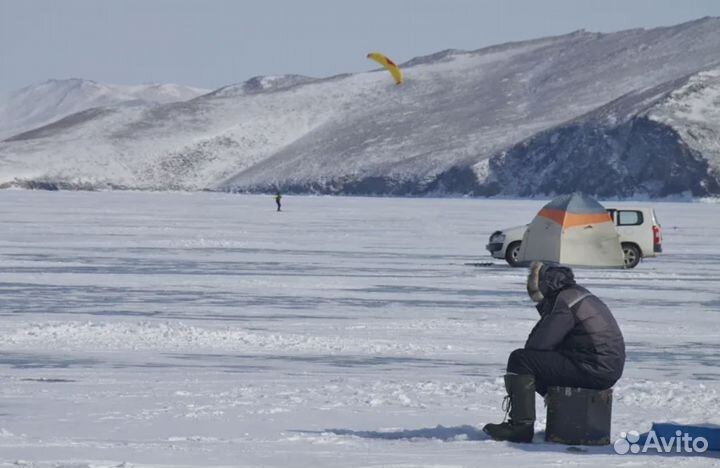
<point>512,253</point>
<point>632,255</point>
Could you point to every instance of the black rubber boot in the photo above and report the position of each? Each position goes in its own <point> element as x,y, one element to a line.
<point>521,398</point>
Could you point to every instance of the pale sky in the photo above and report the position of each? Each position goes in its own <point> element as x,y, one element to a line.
<point>212,43</point>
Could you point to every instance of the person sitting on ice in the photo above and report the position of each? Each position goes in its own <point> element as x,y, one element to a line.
<point>576,343</point>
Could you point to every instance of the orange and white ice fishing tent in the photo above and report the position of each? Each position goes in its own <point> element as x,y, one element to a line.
<point>573,230</point>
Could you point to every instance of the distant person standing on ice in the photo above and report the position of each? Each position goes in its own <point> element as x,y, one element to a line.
<point>278,197</point>
<point>576,343</point>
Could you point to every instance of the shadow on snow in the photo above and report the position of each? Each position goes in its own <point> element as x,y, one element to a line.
<point>443,433</point>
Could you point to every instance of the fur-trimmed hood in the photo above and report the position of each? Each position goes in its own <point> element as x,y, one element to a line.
<point>533,282</point>
<point>546,281</point>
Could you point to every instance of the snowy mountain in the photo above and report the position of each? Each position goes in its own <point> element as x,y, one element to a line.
<point>656,142</point>
<point>632,112</point>
<point>43,103</point>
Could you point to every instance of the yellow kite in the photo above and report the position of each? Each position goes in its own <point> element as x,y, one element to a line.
<point>388,64</point>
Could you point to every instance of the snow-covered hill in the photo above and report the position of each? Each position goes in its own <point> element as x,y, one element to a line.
<point>693,110</point>
<point>463,122</point>
<point>43,103</point>
<point>656,142</point>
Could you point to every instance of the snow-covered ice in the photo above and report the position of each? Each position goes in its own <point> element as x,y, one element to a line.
<point>178,329</point>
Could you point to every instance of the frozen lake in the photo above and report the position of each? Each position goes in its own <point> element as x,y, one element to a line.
<point>172,329</point>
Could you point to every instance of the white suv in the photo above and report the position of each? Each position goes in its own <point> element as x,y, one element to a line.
<point>640,236</point>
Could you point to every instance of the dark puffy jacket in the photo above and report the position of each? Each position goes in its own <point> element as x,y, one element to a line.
<point>579,325</point>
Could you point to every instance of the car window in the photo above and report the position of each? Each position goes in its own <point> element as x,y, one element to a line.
<point>629,218</point>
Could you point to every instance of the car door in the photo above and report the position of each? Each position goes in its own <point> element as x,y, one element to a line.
<point>629,224</point>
